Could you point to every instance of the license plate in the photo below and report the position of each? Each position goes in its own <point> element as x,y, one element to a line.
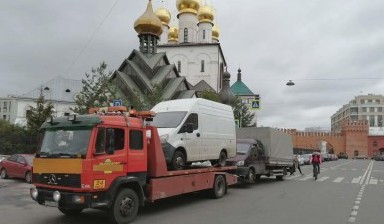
<point>51,203</point>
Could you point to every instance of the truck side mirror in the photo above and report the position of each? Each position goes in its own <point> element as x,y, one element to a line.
<point>110,141</point>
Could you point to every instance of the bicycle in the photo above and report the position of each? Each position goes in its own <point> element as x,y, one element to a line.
<point>315,170</point>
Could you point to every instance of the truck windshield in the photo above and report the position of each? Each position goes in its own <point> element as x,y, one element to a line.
<point>168,119</point>
<point>242,148</point>
<point>65,142</point>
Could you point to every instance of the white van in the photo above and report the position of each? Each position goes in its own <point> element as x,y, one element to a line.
<point>194,130</point>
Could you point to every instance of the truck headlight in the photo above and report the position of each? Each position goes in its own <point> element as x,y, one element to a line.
<point>164,138</point>
<point>34,193</point>
<point>240,163</point>
<point>56,196</point>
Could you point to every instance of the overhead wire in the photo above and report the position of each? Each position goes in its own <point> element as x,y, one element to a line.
<point>91,38</point>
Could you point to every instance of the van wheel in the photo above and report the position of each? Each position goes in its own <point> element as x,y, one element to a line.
<point>28,177</point>
<point>178,160</point>
<point>222,158</point>
<point>251,176</point>
<point>3,174</point>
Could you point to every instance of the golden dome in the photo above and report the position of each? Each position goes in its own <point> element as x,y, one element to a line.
<point>148,23</point>
<point>173,34</point>
<point>164,15</point>
<point>191,6</point>
<point>215,32</point>
<point>205,14</point>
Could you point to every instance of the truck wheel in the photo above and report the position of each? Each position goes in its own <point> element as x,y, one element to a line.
<point>222,158</point>
<point>70,211</point>
<point>125,207</point>
<point>178,160</point>
<point>251,176</point>
<point>3,174</point>
<point>28,177</point>
<point>219,187</point>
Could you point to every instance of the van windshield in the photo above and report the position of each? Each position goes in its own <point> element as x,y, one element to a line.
<point>242,148</point>
<point>168,119</point>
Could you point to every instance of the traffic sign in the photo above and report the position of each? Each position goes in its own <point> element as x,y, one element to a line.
<point>117,103</point>
<point>256,105</point>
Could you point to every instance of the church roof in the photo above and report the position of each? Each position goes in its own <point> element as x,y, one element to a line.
<point>139,74</point>
<point>203,86</point>
<point>239,88</point>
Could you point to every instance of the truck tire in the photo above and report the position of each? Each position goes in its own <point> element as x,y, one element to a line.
<point>219,187</point>
<point>3,174</point>
<point>251,176</point>
<point>70,211</point>
<point>125,207</point>
<point>280,177</point>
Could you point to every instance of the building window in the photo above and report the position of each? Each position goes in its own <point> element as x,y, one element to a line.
<point>370,101</point>
<point>379,109</point>
<point>371,121</point>
<point>203,34</point>
<point>179,66</point>
<point>4,117</point>
<point>202,66</point>
<point>371,109</point>
<point>185,35</point>
<point>364,109</point>
<point>362,101</point>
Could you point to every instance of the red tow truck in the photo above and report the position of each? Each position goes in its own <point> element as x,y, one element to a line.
<point>112,161</point>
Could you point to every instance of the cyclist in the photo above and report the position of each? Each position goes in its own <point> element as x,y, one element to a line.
<point>315,160</point>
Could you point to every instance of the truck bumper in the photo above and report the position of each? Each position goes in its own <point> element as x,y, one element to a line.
<point>69,200</point>
<point>242,171</point>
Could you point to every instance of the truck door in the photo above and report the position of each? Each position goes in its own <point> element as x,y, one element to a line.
<point>109,156</point>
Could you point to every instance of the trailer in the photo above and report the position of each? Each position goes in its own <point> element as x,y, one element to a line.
<point>113,161</point>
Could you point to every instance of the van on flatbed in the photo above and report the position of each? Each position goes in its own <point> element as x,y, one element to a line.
<point>196,129</point>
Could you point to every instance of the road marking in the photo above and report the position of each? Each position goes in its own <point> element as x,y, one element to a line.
<point>338,180</point>
<point>356,180</point>
<point>323,178</point>
<point>369,173</point>
<point>373,181</point>
<point>366,172</point>
<point>306,178</point>
<point>355,208</point>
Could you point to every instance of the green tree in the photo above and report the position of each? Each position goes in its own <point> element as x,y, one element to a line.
<point>150,98</point>
<point>36,116</point>
<point>242,113</point>
<point>210,95</point>
<point>97,90</point>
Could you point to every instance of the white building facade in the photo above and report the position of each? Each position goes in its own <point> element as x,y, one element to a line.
<point>193,46</point>
<point>60,92</point>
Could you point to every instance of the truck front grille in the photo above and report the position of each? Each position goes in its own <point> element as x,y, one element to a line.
<point>64,180</point>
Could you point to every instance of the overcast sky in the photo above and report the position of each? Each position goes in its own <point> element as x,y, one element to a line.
<point>332,49</point>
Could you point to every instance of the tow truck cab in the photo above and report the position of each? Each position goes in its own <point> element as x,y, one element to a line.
<point>84,159</point>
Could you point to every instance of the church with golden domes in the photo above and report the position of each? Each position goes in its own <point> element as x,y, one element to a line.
<point>193,46</point>
<point>183,60</point>
<point>146,68</point>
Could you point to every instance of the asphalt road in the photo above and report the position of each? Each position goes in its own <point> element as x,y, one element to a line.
<point>347,191</point>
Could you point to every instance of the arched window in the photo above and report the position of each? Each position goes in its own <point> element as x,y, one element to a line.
<point>179,66</point>
<point>202,66</point>
<point>203,34</point>
<point>185,35</point>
